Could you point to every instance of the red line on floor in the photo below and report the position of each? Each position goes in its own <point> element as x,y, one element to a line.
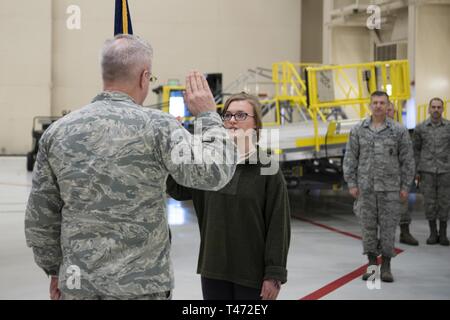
<point>345,233</point>
<point>327,289</point>
<point>332,286</point>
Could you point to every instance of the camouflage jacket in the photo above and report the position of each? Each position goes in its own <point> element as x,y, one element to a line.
<point>97,203</point>
<point>379,160</point>
<point>432,146</point>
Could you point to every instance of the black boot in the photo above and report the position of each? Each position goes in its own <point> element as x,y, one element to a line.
<point>372,262</point>
<point>433,239</point>
<point>386,274</point>
<point>406,237</point>
<point>443,240</point>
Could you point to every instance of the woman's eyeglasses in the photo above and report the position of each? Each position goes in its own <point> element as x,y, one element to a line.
<point>238,116</point>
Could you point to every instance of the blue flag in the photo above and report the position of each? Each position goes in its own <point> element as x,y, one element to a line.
<point>122,21</point>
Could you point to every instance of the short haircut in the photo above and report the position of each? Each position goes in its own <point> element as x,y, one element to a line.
<point>124,57</point>
<point>254,101</point>
<point>436,99</point>
<point>379,94</point>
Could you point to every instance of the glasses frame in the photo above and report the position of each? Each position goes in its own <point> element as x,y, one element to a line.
<point>234,115</point>
<point>151,78</point>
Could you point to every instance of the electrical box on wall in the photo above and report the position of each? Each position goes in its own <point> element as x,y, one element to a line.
<point>391,51</point>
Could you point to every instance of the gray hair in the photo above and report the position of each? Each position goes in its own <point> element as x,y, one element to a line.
<point>124,57</point>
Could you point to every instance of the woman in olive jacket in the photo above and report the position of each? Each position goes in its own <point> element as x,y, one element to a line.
<point>244,227</point>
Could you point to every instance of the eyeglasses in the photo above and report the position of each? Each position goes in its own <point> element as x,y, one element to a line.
<point>151,78</point>
<point>238,116</point>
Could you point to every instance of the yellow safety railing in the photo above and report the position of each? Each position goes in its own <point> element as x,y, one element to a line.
<point>277,112</point>
<point>288,80</point>
<point>389,76</point>
<point>297,85</point>
<point>422,112</point>
<point>289,85</point>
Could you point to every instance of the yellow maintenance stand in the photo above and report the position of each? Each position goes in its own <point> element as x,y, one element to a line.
<point>312,110</point>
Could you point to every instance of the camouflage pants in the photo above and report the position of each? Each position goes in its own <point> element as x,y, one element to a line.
<point>154,296</point>
<point>405,215</point>
<point>379,214</point>
<point>406,208</point>
<point>436,191</point>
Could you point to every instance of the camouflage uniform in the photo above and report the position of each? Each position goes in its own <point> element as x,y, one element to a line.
<point>405,214</point>
<point>432,154</point>
<point>379,163</point>
<point>98,195</point>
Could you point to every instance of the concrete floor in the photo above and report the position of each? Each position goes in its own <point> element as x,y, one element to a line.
<point>325,260</point>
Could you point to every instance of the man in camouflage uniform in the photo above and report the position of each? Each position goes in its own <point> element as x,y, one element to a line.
<point>432,154</point>
<point>379,168</point>
<point>405,216</point>
<point>96,216</point>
